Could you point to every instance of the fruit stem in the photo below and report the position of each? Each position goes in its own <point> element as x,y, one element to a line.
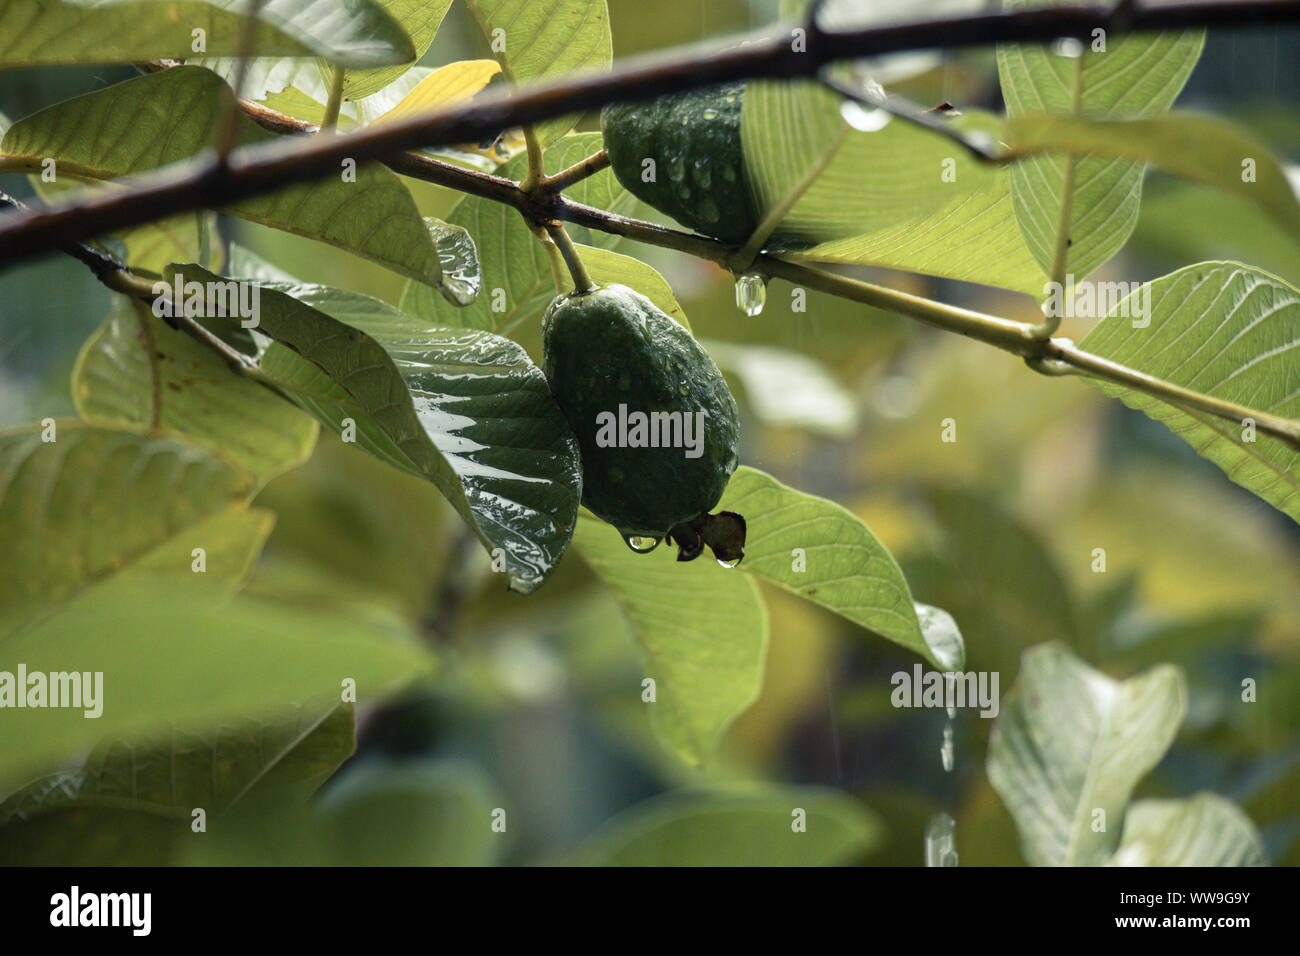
<point>581,278</point>
<point>335,103</point>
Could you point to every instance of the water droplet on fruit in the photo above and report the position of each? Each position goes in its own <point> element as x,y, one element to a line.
<point>728,563</point>
<point>641,544</point>
<point>708,210</point>
<point>703,177</point>
<point>751,293</point>
<point>1068,47</point>
<point>728,174</point>
<point>677,169</point>
<point>940,846</point>
<point>710,114</point>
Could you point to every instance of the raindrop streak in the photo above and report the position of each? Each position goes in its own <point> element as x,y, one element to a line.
<point>945,752</point>
<point>940,848</point>
<point>751,293</point>
<point>641,544</point>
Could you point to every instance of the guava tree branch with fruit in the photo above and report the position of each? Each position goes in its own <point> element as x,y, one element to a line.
<point>778,155</point>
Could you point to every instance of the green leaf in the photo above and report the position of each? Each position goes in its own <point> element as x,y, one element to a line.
<point>165,117</point>
<point>355,32</point>
<point>1204,830</point>
<point>701,630</point>
<point>197,392</point>
<point>1204,149</point>
<point>145,795</point>
<point>516,275</point>
<point>538,40</point>
<point>974,238</point>
<point>1138,76</point>
<point>830,180</point>
<point>822,552</point>
<point>101,503</point>
<point>1069,747</point>
<point>419,20</point>
<point>210,769</point>
<point>1226,330</point>
<point>411,814</point>
<point>464,409</point>
<point>787,389</point>
<point>744,829</point>
<point>181,657</point>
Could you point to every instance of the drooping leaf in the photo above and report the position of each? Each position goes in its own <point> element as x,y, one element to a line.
<point>1226,330</point>
<point>1204,149</point>
<point>1204,830</point>
<point>1069,746</point>
<point>419,21</point>
<point>169,116</point>
<point>354,32</point>
<point>1137,76</point>
<point>701,631</point>
<point>820,551</point>
<point>196,391</point>
<point>466,410</point>
<point>537,40</point>
<point>744,829</point>
<point>101,503</point>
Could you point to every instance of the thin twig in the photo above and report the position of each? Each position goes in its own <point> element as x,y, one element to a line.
<point>575,173</point>
<point>335,101</point>
<point>581,278</point>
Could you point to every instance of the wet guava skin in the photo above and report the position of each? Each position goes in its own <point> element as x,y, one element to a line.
<point>613,346</point>
<point>694,140</point>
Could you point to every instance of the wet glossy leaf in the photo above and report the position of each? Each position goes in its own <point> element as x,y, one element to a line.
<point>464,409</point>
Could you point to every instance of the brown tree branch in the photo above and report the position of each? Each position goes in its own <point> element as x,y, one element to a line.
<point>253,170</point>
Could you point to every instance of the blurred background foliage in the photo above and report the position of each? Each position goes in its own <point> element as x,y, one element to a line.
<point>537,708</point>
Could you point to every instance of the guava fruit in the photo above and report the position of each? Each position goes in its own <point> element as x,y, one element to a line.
<point>657,427</point>
<point>698,172</point>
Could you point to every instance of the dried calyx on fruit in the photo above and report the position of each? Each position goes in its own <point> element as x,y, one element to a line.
<point>656,424</point>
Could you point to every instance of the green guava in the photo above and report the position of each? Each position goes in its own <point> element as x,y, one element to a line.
<point>698,170</point>
<point>656,424</point>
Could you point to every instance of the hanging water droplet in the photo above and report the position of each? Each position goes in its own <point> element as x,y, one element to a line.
<point>641,544</point>
<point>1068,47</point>
<point>945,752</point>
<point>728,563</point>
<point>751,293</point>
<point>950,694</point>
<point>940,848</point>
<point>862,119</point>
<point>461,277</point>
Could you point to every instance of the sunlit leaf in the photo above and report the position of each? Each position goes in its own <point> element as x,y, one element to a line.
<point>537,40</point>
<point>1204,830</point>
<point>419,21</point>
<point>1226,330</point>
<point>1138,75</point>
<point>701,631</point>
<point>443,87</point>
<point>1069,746</point>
